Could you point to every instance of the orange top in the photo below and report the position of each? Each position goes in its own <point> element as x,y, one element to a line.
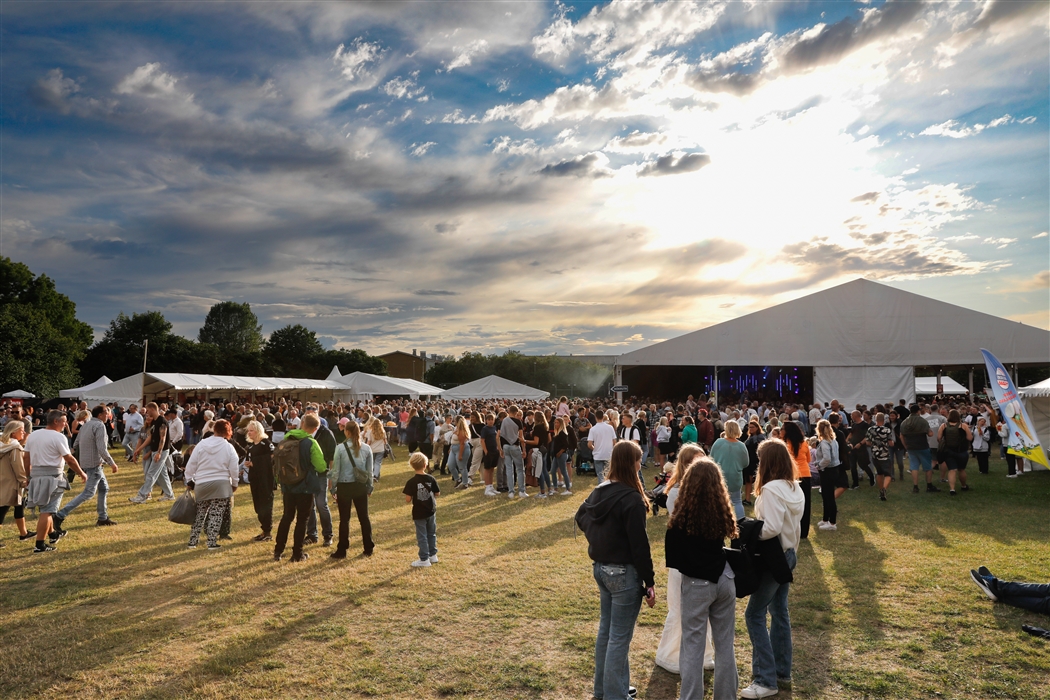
<point>801,461</point>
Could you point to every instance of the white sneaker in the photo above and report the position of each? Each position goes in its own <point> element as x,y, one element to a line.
<point>541,495</point>
<point>709,665</point>
<point>828,527</point>
<point>434,559</point>
<point>421,562</point>
<point>566,492</point>
<point>470,482</point>
<point>138,499</point>
<point>1012,476</point>
<point>166,498</point>
<point>822,523</point>
<point>523,495</point>
<point>510,494</point>
<point>489,491</point>
<point>758,691</point>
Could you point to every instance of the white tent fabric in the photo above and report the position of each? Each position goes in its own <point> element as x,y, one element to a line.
<point>927,386</point>
<point>123,392</point>
<point>863,385</point>
<point>18,394</point>
<point>80,390</point>
<point>366,386</point>
<point>1036,398</point>
<point>856,324</point>
<point>493,387</point>
<point>1032,390</point>
<point>131,389</point>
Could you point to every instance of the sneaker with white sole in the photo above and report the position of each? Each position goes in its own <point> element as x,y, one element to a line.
<point>138,499</point>
<point>421,563</point>
<point>434,559</point>
<point>758,691</point>
<point>983,584</point>
<point>166,498</point>
<point>510,494</point>
<point>489,491</point>
<point>828,527</point>
<point>566,492</point>
<point>523,495</point>
<point>822,523</point>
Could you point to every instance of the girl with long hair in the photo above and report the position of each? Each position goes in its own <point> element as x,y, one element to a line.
<point>375,436</point>
<point>459,454</point>
<point>829,465</point>
<point>351,481</point>
<point>703,519</point>
<point>779,506</point>
<point>559,452</point>
<point>800,455</point>
<point>613,519</point>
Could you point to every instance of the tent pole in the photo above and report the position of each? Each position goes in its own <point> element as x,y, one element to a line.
<point>971,381</point>
<point>618,371</point>
<point>715,392</point>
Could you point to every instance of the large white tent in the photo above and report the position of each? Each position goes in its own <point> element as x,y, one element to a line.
<point>862,340</point>
<point>927,386</point>
<point>81,390</point>
<point>362,385</point>
<point>1036,398</point>
<point>134,388</point>
<point>493,387</point>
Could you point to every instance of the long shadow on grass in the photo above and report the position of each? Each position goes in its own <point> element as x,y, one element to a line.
<point>859,564</point>
<point>811,623</point>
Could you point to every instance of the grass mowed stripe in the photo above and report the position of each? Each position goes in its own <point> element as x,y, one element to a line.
<point>882,608</point>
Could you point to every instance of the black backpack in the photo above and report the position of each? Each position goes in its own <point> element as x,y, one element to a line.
<point>288,463</point>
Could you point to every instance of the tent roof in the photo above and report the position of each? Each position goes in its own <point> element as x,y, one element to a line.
<point>19,394</point>
<point>859,323</point>
<point>75,393</point>
<point>928,385</point>
<point>362,383</point>
<point>493,387</point>
<point>1040,389</point>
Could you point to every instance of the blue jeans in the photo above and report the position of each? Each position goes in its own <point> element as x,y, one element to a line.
<point>738,503</point>
<point>512,463</point>
<point>771,649</point>
<point>96,481</point>
<point>600,465</point>
<point>156,470</point>
<point>917,458</point>
<point>620,589</point>
<point>545,475</point>
<point>320,506</point>
<point>130,442</point>
<point>561,467</point>
<point>377,464</point>
<point>1028,596</point>
<point>426,537</point>
<point>459,468</point>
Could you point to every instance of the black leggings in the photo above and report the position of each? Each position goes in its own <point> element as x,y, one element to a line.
<point>828,485</point>
<point>1011,463</point>
<point>356,495</point>
<point>806,483</point>
<point>296,507</point>
<point>982,461</point>
<point>20,512</point>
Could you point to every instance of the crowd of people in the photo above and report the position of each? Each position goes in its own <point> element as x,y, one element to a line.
<point>715,460</point>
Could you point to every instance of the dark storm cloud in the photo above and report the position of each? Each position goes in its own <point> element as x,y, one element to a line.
<point>590,165</point>
<point>670,165</point>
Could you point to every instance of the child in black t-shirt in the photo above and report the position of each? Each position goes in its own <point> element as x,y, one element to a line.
<point>421,491</point>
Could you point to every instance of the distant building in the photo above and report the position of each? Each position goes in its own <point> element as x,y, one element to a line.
<point>409,366</point>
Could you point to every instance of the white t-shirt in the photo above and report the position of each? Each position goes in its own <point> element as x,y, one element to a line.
<point>293,423</point>
<point>603,436</point>
<point>133,422</point>
<point>46,448</point>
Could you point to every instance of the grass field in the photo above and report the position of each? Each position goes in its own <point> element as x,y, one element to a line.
<point>882,608</point>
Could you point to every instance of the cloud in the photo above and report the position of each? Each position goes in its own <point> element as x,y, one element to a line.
<point>1000,242</point>
<point>403,88</point>
<point>420,149</point>
<point>457,117</point>
<point>434,293</point>
<point>575,102</point>
<point>591,165</point>
<point>1039,282</point>
<point>866,197</point>
<point>1044,234</point>
<point>467,54</point>
<point>352,60</point>
<point>148,81</point>
<point>964,237</point>
<point>951,130</point>
<point>672,164</point>
<point>636,142</point>
<point>53,91</point>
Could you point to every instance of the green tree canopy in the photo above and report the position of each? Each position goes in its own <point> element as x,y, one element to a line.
<point>41,340</point>
<point>294,349</point>
<point>350,361</point>
<point>232,327</point>
<point>553,373</point>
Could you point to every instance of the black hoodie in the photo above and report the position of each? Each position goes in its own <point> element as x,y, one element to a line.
<point>613,520</point>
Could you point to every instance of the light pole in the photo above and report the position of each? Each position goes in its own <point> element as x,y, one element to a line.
<point>555,389</point>
<point>572,391</point>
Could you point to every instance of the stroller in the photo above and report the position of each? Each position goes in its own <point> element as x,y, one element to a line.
<point>178,466</point>
<point>658,497</point>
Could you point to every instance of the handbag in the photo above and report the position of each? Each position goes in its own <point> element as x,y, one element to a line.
<point>184,509</point>
<point>747,575</point>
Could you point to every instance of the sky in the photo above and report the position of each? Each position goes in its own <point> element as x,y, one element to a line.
<point>583,178</point>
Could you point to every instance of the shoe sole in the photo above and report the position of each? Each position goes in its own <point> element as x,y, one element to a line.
<point>975,577</point>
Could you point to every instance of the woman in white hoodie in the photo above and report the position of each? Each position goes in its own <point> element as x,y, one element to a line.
<point>213,471</point>
<point>779,506</point>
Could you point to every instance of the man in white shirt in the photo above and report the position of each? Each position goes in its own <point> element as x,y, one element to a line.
<point>47,452</point>
<point>133,423</point>
<point>600,440</point>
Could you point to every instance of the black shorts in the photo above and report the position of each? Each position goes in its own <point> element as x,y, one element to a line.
<point>666,448</point>
<point>956,460</point>
<point>939,456</point>
<point>490,460</point>
<point>884,467</point>
<point>749,475</point>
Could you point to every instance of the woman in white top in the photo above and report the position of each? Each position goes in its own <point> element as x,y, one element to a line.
<point>671,638</point>
<point>663,442</point>
<point>981,443</point>
<point>375,436</point>
<point>212,473</point>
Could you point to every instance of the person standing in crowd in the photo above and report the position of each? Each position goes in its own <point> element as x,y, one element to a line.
<point>92,443</point>
<point>512,441</point>
<point>351,482</point>
<point>956,438</point>
<point>702,520</point>
<point>731,456</point>
<point>689,434</point>
<point>299,498</point>
<point>779,506</point>
<point>755,436</point>
<point>421,492</point>
<point>981,443</point>
<point>48,452</point>
<point>133,424</point>
<point>858,454</point>
<point>375,437</point>
<point>897,447</point>
<point>833,479</point>
<point>459,454</point>
<point>559,451</point>
<point>156,466</point>
<point>261,479</point>
<point>800,455</point>
<point>935,420</point>
<point>663,443</point>
<point>326,441</point>
<point>613,520</point>
<point>13,476</point>
<point>642,425</point>
<point>600,440</point>
<point>705,432</point>
<point>212,473</point>
<point>668,652</point>
<point>491,453</point>
<point>915,431</point>
<point>880,440</point>
<point>477,426</point>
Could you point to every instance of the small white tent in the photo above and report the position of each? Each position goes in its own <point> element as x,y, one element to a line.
<point>493,387</point>
<point>1036,400</point>
<point>81,390</point>
<point>19,394</point>
<point>362,385</point>
<point>927,386</point>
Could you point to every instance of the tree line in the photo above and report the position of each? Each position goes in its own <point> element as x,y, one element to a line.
<point>44,348</point>
<point>560,375</point>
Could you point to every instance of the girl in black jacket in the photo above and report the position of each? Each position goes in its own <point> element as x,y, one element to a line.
<point>613,519</point>
<point>703,519</point>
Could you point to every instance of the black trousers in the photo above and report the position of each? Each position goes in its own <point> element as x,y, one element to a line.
<point>806,483</point>
<point>828,484</point>
<point>356,495</point>
<point>859,458</point>
<point>297,507</point>
<point>262,498</point>
<point>982,461</point>
<point>1011,463</point>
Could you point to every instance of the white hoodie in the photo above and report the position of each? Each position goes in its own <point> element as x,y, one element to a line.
<point>213,459</point>
<point>780,507</point>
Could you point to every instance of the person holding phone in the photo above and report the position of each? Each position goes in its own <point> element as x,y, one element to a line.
<point>613,520</point>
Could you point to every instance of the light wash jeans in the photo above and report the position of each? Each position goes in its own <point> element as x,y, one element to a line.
<point>513,463</point>
<point>377,464</point>
<point>96,481</point>
<point>620,590</point>
<point>600,465</point>
<point>738,504</point>
<point>771,649</point>
<point>130,442</point>
<point>703,602</point>
<point>560,467</point>
<point>459,468</point>
<point>426,537</point>
<point>156,470</point>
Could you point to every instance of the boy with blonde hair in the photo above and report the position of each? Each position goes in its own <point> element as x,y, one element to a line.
<point>421,492</point>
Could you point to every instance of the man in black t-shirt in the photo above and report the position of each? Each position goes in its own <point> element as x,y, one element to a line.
<point>159,463</point>
<point>858,454</point>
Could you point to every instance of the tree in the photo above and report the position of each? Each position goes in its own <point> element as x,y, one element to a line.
<point>294,349</point>
<point>41,340</point>
<point>548,372</point>
<point>350,361</point>
<point>232,327</point>
<point>119,353</point>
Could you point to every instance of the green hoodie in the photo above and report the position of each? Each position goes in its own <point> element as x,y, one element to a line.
<point>316,456</point>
